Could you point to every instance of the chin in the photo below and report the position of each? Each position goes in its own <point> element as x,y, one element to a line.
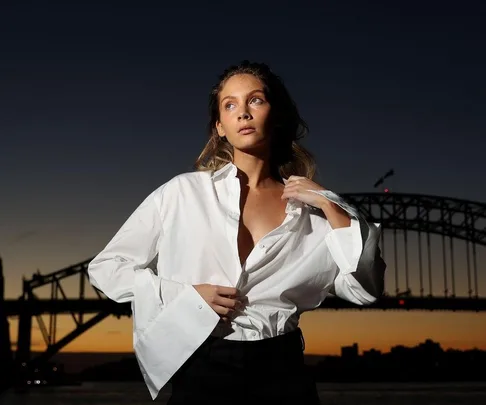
<point>250,142</point>
<point>252,149</point>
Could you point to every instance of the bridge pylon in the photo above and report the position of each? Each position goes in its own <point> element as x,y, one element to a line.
<point>6,355</point>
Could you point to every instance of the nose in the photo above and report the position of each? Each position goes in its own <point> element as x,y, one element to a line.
<point>244,115</point>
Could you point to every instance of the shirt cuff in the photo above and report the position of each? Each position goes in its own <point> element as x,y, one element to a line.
<point>145,306</point>
<point>345,245</point>
<point>349,289</point>
<point>169,289</point>
<point>333,197</point>
<point>173,336</point>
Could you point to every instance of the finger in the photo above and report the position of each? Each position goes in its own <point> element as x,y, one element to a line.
<point>292,186</point>
<point>289,194</point>
<point>222,290</point>
<point>227,302</point>
<point>220,310</point>
<point>295,183</point>
<point>295,178</point>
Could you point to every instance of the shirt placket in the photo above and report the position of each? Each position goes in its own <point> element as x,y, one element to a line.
<point>233,223</point>
<point>268,241</point>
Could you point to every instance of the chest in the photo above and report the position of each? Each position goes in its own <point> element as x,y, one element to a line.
<point>261,213</point>
<point>216,235</point>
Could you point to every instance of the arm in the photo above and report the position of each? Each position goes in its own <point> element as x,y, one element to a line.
<point>353,244</point>
<point>124,263</point>
<point>170,320</point>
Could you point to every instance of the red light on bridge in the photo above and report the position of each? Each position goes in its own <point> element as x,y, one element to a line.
<point>401,302</point>
<point>386,190</point>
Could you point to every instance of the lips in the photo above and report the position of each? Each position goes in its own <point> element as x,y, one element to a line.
<point>246,130</point>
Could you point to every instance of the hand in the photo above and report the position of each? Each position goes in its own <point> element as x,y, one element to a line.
<point>297,187</point>
<point>223,300</point>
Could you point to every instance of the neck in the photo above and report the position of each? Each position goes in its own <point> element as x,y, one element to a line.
<point>254,170</point>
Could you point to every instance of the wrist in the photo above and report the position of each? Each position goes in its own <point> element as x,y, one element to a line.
<point>326,204</point>
<point>337,217</point>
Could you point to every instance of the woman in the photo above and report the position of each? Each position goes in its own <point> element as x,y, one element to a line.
<point>220,263</point>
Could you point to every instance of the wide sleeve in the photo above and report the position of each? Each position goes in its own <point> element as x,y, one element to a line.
<point>170,319</point>
<point>129,253</point>
<point>355,250</point>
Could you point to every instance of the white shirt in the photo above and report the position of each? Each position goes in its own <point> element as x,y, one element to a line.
<point>185,233</point>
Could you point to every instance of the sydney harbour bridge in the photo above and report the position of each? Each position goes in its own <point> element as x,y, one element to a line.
<point>434,248</point>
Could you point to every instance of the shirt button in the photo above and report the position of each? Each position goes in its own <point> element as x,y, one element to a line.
<point>199,306</point>
<point>253,333</point>
<point>262,246</point>
<point>286,227</point>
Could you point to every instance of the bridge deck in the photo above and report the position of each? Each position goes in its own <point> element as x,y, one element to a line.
<point>92,306</point>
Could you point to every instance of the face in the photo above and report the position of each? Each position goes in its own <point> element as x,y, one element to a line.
<point>244,113</point>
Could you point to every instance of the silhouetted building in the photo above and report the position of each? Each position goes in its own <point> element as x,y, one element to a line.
<point>350,353</point>
<point>372,354</point>
<point>425,362</point>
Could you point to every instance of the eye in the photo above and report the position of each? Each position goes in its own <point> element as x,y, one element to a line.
<point>257,100</point>
<point>227,106</point>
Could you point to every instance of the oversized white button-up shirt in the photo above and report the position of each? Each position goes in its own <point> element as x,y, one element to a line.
<point>185,233</point>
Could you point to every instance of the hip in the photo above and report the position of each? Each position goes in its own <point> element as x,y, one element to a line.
<point>270,369</point>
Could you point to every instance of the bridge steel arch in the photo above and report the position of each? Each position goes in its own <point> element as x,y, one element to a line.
<point>460,219</point>
<point>425,215</point>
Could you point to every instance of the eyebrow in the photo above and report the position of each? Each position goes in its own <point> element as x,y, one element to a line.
<point>249,94</point>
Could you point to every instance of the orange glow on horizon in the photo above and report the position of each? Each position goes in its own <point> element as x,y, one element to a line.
<point>325,332</point>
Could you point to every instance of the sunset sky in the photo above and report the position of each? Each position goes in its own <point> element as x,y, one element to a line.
<point>101,104</point>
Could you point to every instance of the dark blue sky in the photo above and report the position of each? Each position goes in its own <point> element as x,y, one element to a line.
<point>102,103</point>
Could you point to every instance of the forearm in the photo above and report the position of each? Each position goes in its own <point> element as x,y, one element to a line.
<point>337,217</point>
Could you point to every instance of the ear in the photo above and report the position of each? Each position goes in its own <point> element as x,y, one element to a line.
<point>220,129</point>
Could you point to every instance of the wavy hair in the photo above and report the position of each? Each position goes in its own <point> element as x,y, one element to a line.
<point>288,156</point>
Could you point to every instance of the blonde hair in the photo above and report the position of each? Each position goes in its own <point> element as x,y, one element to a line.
<point>288,156</point>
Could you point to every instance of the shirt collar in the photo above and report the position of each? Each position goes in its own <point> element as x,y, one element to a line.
<point>225,171</point>
<point>294,207</point>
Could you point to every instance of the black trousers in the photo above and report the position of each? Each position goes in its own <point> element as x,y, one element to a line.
<point>263,372</point>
